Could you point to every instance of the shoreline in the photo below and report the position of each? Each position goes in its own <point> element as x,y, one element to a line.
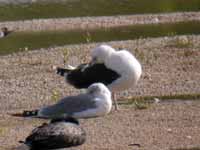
<point>98,22</point>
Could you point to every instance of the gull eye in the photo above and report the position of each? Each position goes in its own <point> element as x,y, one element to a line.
<point>91,91</point>
<point>94,59</point>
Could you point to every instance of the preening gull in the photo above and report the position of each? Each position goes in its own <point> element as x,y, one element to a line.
<point>94,103</point>
<point>118,70</point>
<point>122,62</point>
<point>59,133</point>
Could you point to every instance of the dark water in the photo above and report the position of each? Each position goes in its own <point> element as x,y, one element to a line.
<point>77,8</point>
<point>34,40</point>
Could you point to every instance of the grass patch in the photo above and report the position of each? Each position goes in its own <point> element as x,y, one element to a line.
<point>65,53</point>
<point>55,95</point>
<point>94,8</point>
<point>140,104</point>
<point>3,131</point>
<point>181,42</point>
<point>148,99</point>
<point>188,53</point>
<point>23,41</point>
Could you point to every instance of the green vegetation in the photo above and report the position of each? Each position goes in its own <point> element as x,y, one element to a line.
<point>3,131</point>
<point>21,41</point>
<point>181,42</point>
<point>55,95</point>
<point>94,8</point>
<point>65,55</point>
<point>140,104</point>
<point>145,100</point>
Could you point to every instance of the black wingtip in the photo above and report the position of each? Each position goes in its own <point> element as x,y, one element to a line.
<point>135,144</point>
<point>22,142</point>
<point>61,71</point>
<point>30,113</point>
<point>26,113</point>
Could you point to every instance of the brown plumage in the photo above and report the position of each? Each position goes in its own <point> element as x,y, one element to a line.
<point>57,134</point>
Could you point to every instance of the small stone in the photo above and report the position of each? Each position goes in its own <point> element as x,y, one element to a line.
<point>54,67</point>
<point>156,20</point>
<point>184,39</point>
<point>156,100</point>
<point>189,137</point>
<point>26,48</point>
<point>169,130</point>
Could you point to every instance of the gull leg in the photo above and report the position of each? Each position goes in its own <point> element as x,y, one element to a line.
<point>115,101</point>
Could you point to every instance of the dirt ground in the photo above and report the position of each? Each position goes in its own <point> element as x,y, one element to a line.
<point>165,126</point>
<point>170,67</point>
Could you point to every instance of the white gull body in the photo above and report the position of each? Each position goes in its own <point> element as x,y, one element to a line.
<point>123,62</point>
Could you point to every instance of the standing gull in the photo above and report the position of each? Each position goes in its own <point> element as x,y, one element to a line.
<point>94,103</point>
<point>59,133</point>
<point>119,70</point>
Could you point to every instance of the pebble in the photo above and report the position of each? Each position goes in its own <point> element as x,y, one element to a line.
<point>156,100</point>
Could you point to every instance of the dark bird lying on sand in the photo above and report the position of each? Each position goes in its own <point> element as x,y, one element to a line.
<point>59,133</point>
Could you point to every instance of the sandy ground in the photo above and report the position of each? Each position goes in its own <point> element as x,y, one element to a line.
<point>170,66</point>
<point>163,126</point>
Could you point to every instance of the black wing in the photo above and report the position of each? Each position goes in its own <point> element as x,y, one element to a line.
<point>85,75</point>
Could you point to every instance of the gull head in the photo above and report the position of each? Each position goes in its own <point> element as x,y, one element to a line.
<point>101,53</point>
<point>102,97</point>
<point>99,89</point>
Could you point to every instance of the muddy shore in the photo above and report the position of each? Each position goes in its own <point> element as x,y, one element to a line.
<point>98,22</point>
